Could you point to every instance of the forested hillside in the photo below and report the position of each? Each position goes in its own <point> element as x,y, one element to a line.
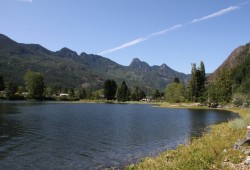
<point>66,68</point>
<point>241,73</point>
<point>238,64</point>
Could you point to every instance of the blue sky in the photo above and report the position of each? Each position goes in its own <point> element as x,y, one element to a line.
<point>175,32</point>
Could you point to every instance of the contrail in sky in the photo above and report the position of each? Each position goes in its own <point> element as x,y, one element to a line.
<point>216,14</point>
<point>30,1</point>
<point>139,40</point>
<point>158,33</point>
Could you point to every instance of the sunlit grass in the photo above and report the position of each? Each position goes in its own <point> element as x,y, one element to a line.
<point>206,152</point>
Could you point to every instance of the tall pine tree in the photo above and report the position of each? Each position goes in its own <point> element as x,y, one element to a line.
<point>137,94</point>
<point>123,92</point>
<point>110,88</point>
<point>193,83</point>
<point>197,83</point>
<point>1,83</point>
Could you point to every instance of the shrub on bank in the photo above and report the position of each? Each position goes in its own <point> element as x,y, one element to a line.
<point>241,100</point>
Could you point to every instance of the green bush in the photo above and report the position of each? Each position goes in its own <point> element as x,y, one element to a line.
<point>241,100</point>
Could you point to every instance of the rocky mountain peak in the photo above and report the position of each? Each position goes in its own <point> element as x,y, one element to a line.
<point>136,60</point>
<point>66,52</point>
<point>164,66</point>
<point>139,65</point>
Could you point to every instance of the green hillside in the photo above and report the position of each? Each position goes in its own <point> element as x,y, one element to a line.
<point>66,68</point>
<point>241,73</point>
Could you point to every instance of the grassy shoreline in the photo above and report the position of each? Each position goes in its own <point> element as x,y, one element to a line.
<point>213,150</point>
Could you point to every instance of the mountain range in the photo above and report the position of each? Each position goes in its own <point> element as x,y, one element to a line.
<point>66,68</point>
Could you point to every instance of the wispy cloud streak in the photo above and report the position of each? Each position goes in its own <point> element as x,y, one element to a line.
<point>30,1</point>
<point>158,33</point>
<point>164,31</point>
<point>243,3</point>
<point>139,40</point>
<point>216,14</point>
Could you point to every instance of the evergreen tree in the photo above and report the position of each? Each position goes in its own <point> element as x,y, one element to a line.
<point>48,91</point>
<point>65,90</point>
<point>89,94</point>
<point>81,93</point>
<point>193,83</point>
<point>110,88</point>
<point>196,86</point>
<point>71,93</point>
<point>20,90</point>
<point>157,94</point>
<point>220,91</point>
<point>202,89</point>
<point>84,93</point>
<point>197,92</point>
<point>176,80</point>
<point>203,73</point>
<point>142,95</point>
<point>1,83</point>
<point>137,94</point>
<point>35,84</point>
<point>56,90</point>
<point>123,92</point>
<point>10,89</point>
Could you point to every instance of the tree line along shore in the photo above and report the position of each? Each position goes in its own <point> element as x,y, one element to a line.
<point>221,91</point>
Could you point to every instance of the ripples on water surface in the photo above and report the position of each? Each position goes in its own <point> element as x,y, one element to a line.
<point>93,136</point>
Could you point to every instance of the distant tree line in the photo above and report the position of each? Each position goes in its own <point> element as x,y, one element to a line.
<point>122,93</point>
<point>225,88</point>
<point>35,88</point>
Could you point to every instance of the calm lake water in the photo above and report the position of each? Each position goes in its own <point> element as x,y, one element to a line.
<point>93,136</point>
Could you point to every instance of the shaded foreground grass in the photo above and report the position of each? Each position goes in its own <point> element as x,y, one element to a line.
<point>206,152</point>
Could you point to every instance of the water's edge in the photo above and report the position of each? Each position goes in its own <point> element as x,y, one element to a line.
<point>238,111</point>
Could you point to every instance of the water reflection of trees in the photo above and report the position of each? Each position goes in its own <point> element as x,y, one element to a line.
<point>201,119</point>
<point>9,126</point>
<point>198,122</point>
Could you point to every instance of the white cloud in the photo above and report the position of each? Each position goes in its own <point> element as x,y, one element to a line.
<point>123,46</point>
<point>165,30</point>
<point>216,14</point>
<point>243,3</point>
<point>139,40</point>
<point>30,1</point>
